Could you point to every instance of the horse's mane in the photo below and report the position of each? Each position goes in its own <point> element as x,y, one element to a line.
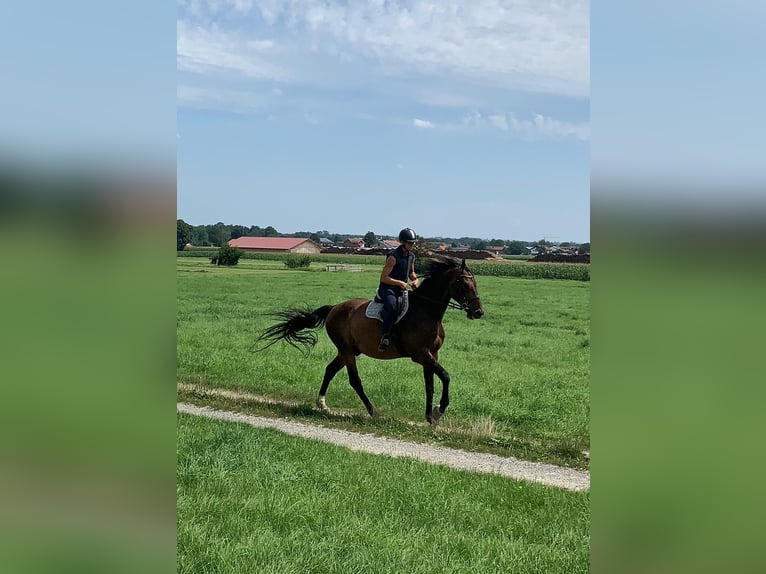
<point>437,266</point>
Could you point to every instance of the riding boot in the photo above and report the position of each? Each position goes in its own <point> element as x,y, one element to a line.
<point>385,341</point>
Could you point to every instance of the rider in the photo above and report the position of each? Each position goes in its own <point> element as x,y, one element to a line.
<point>400,264</point>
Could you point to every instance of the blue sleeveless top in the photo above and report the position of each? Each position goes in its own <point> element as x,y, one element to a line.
<point>401,268</point>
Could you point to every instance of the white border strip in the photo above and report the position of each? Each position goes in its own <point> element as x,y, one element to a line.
<point>548,474</point>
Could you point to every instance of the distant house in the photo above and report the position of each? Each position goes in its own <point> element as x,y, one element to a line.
<point>276,244</point>
<point>495,248</point>
<point>324,242</point>
<point>437,246</point>
<point>388,244</point>
<point>354,243</point>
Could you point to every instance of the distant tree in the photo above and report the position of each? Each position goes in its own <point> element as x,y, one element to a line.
<point>421,248</point>
<point>515,247</point>
<point>584,247</point>
<point>199,236</point>
<point>183,234</point>
<point>297,260</point>
<point>238,231</point>
<point>370,240</point>
<point>270,232</point>
<point>255,231</point>
<point>478,244</point>
<point>219,234</point>
<point>227,255</point>
<point>314,237</point>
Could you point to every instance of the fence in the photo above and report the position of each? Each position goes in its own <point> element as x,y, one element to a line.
<point>343,267</point>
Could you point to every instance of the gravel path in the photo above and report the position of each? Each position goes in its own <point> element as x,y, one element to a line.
<point>548,474</point>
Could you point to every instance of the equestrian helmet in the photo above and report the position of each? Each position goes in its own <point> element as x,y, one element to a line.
<point>406,234</point>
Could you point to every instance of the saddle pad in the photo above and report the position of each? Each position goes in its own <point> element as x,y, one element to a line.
<point>375,309</point>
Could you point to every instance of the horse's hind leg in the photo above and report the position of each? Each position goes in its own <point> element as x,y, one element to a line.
<point>332,369</point>
<point>356,383</point>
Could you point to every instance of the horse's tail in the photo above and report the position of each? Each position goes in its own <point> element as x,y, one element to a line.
<point>293,322</point>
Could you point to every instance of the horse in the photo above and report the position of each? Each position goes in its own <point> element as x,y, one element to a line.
<point>419,334</point>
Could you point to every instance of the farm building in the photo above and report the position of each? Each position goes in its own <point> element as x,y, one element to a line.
<point>354,242</point>
<point>388,244</point>
<point>276,244</point>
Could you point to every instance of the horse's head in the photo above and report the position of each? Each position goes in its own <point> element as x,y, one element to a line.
<point>463,290</point>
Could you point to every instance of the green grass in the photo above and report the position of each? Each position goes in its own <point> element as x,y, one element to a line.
<point>253,500</point>
<point>520,375</point>
<point>202,252</point>
<point>506,267</point>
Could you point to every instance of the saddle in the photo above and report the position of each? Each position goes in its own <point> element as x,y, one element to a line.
<point>375,308</point>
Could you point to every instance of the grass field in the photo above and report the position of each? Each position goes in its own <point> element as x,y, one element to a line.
<point>519,376</point>
<point>252,500</point>
<point>508,266</point>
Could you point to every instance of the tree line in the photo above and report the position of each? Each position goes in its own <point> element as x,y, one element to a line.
<point>220,233</point>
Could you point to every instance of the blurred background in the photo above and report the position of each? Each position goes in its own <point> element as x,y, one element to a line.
<point>678,206</point>
<point>87,288</point>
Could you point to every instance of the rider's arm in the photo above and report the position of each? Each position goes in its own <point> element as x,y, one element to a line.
<point>413,276</point>
<point>385,277</point>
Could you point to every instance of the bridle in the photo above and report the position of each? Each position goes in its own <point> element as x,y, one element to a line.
<point>464,306</point>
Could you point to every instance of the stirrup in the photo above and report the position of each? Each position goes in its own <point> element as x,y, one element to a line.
<point>385,342</point>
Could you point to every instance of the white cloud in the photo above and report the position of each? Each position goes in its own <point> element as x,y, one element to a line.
<point>203,51</point>
<point>508,44</point>
<point>539,127</point>
<point>499,121</point>
<point>364,59</point>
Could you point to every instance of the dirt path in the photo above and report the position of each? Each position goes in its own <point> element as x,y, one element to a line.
<point>548,474</point>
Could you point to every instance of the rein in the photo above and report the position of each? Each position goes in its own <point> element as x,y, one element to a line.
<point>451,304</point>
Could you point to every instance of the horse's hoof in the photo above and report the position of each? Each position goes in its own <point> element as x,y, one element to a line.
<point>321,405</point>
<point>436,414</point>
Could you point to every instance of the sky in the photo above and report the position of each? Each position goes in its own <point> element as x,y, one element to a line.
<point>457,119</point>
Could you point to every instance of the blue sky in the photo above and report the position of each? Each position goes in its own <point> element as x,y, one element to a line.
<point>453,118</point>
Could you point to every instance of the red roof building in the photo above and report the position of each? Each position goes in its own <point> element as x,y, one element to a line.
<point>276,244</point>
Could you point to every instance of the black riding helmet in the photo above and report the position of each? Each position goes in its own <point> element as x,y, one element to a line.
<point>406,234</point>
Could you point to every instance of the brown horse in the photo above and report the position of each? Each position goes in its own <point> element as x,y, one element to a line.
<point>418,335</point>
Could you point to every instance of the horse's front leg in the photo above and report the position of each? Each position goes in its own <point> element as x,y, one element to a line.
<point>428,376</point>
<point>430,367</point>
